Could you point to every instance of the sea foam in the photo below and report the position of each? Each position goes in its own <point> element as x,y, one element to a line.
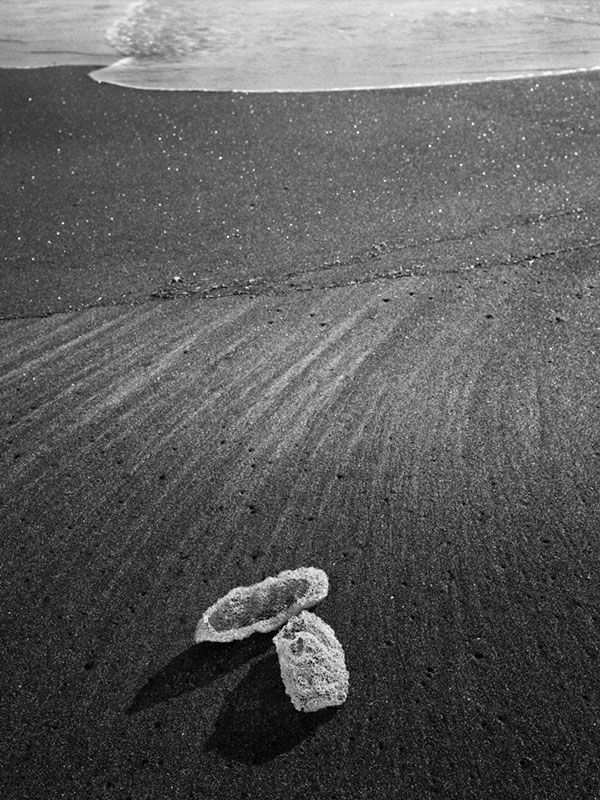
<point>151,29</point>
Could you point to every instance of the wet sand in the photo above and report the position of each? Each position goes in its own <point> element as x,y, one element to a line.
<point>241,334</point>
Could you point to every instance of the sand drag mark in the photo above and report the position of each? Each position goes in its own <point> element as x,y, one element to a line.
<point>431,442</point>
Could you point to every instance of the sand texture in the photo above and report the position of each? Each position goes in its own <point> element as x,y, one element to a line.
<point>380,356</point>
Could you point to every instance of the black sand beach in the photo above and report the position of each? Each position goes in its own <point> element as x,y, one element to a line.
<point>241,334</point>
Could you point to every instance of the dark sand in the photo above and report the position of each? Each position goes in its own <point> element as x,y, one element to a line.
<point>381,359</point>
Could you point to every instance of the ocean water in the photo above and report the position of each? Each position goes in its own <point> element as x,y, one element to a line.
<point>301,45</point>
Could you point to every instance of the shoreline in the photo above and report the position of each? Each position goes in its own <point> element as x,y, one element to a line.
<point>395,380</point>
<point>96,75</point>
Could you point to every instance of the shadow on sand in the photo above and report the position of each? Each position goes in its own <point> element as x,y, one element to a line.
<point>259,722</point>
<point>198,666</point>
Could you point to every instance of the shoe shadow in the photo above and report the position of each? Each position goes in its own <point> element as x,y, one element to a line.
<point>259,721</point>
<point>198,666</point>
